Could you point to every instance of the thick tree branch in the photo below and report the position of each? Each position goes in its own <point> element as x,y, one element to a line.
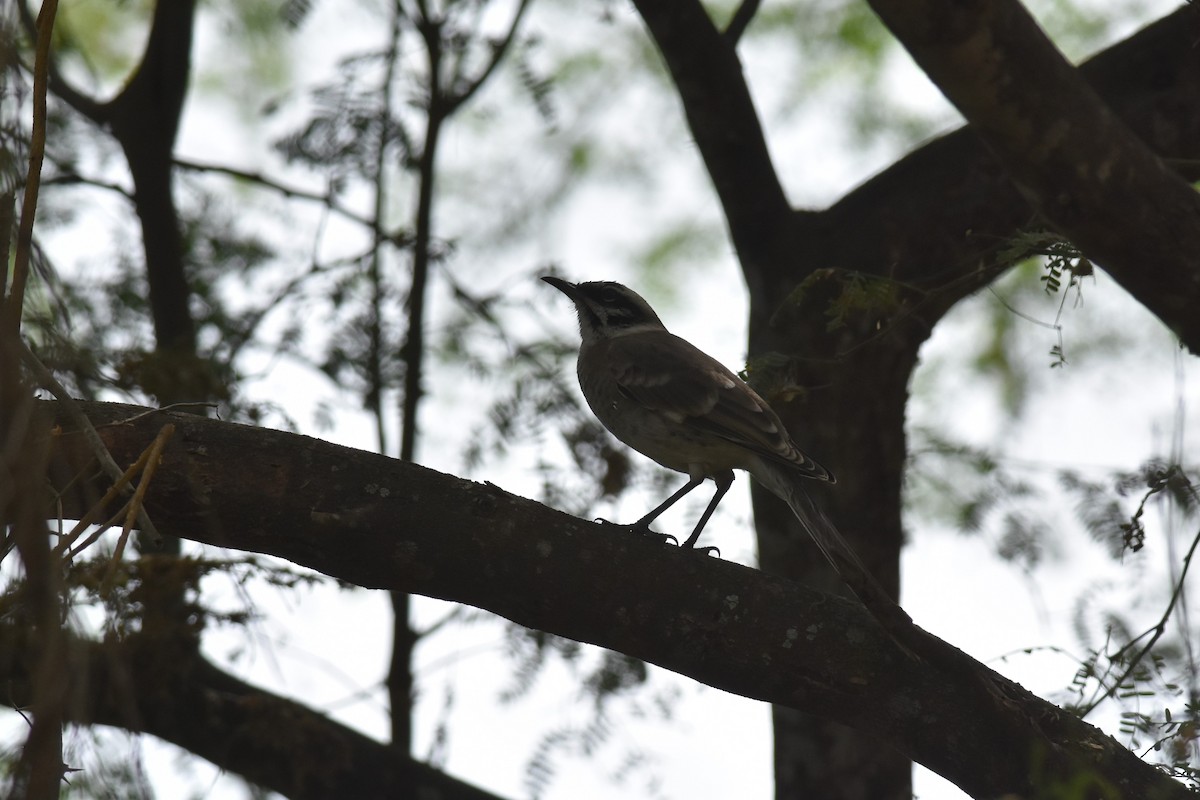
<point>144,684</point>
<point>144,118</point>
<point>1068,153</point>
<point>381,523</point>
<point>937,217</point>
<point>721,115</point>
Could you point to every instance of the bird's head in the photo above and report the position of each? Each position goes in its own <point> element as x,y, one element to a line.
<point>607,309</point>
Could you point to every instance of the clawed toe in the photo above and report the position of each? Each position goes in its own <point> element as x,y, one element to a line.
<point>642,530</point>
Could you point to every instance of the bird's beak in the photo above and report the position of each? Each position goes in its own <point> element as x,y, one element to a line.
<point>566,287</point>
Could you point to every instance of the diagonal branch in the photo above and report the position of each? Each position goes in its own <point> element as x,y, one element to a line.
<point>1071,157</point>
<point>62,88</point>
<point>937,217</point>
<point>741,20</point>
<point>720,112</point>
<point>380,523</point>
<point>327,199</point>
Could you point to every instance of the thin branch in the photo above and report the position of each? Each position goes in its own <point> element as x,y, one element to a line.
<point>453,101</point>
<point>37,151</point>
<point>1054,326</point>
<point>116,488</point>
<point>75,179</point>
<point>160,409</point>
<point>235,343</point>
<point>47,380</point>
<point>153,459</point>
<point>95,535</point>
<point>741,20</point>
<point>62,88</point>
<point>399,238</point>
<point>377,354</point>
<point>1154,633</point>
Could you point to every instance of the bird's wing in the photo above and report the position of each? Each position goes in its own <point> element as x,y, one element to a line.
<point>670,376</point>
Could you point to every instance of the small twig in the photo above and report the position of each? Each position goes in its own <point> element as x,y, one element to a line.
<point>49,382</point>
<point>1054,326</point>
<point>152,411</point>
<point>153,459</point>
<point>92,513</point>
<point>97,112</point>
<point>327,199</point>
<point>101,529</point>
<point>1155,634</point>
<point>74,179</point>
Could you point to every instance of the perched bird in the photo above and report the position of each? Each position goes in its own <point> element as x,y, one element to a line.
<point>666,399</point>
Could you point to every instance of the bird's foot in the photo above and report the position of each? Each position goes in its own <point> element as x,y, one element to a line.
<point>642,530</point>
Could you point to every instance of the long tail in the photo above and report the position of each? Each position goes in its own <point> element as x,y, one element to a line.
<point>790,488</point>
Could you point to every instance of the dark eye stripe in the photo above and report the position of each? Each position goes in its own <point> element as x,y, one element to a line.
<point>617,306</point>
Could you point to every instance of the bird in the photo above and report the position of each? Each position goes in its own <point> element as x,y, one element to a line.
<point>670,401</point>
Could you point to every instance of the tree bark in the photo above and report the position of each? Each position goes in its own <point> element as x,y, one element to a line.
<point>1076,162</point>
<point>38,772</point>
<point>380,523</point>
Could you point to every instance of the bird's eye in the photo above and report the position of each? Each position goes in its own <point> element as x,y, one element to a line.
<point>609,295</point>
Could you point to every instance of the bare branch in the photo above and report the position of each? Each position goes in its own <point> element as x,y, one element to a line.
<point>722,117</point>
<point>327,199</point>
<point>37,149</point>
<point>741,20</point>
<point>63,89</point>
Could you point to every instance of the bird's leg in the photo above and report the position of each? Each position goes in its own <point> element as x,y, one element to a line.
<point>723,481</point>
<point>643,524</point>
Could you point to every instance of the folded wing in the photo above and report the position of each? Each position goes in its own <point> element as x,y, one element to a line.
<point>699,392</point>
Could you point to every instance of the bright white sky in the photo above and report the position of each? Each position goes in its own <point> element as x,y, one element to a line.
<point>328,647</point>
